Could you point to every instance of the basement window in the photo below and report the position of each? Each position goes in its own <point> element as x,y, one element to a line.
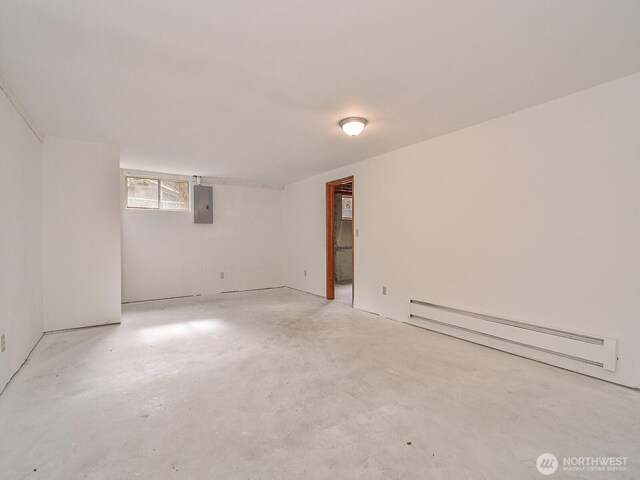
<point>157,194</point>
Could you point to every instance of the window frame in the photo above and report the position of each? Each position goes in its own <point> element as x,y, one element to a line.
<point>159,179</point>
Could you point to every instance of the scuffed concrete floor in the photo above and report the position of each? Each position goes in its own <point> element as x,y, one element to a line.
<point>282,385</point>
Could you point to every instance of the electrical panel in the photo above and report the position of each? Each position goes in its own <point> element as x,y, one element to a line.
<point>202,204</point>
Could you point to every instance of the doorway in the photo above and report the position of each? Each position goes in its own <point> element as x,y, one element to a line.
<point>340,236</point>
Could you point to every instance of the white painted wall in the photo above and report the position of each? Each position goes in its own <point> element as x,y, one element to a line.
<point>81,192</point>
<point>166,255</point>
<point>532,216</point>
<point>20,239</point>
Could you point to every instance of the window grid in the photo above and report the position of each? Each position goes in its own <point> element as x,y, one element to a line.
<point>145,193</point>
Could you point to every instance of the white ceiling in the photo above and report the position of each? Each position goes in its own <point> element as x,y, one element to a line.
<point>253,89</point>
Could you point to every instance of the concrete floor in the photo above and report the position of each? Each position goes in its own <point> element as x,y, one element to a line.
<point>344,292</point>
<point>282,385</point>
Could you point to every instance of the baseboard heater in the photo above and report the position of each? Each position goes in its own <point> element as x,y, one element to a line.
<point>546,344</point>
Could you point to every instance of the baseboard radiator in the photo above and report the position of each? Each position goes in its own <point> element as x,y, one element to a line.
<point>558,347</point>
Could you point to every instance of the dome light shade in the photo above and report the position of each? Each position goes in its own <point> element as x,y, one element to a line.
<point>353,126</point>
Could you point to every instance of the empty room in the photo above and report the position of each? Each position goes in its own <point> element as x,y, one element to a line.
<point>319,240</point>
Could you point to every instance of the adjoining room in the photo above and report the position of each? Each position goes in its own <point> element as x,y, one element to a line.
<point>283,240</point>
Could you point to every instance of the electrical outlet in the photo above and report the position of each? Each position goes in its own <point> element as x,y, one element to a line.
<point>221,274</point>
<point>357,232</point>
<point>3,343</point>
<point>305,273</point>
<point>384,290</point>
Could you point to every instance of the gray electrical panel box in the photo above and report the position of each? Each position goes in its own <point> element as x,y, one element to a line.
<point>202,204</point>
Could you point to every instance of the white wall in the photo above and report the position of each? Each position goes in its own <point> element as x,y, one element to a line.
<point>166,255</point>
<point>81,234</point>
<point>533,216</point>
<point>20,239</point>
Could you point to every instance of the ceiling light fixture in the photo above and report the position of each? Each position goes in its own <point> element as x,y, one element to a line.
<point>353,126</point>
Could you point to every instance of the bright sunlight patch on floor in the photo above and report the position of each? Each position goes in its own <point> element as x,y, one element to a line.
<point>172,331</point>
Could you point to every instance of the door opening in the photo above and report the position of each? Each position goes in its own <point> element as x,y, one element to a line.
<point>340,236</point>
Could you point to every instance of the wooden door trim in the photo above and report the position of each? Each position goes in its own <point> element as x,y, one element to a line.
<point>331,259</point>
